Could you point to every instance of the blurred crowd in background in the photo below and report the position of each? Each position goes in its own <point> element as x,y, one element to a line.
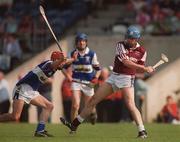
<point>155,17</point>
<point>23,34</point>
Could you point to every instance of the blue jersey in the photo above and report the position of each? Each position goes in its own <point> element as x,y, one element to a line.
<point>83,67</point>
<point>38,75</point>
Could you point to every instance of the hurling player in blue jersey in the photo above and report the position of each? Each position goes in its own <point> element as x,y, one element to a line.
<point>25,91</point>
<point>85,70</point>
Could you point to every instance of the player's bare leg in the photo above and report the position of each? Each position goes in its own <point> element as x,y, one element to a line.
<point>16,113</point>
<point>130,103</point>
<point>76,98</point>
<point>93,115</point>
<point>47,109</point>
<point>101,93</point>
<point>45,104</point>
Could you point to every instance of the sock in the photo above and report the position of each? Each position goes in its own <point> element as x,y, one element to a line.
<point>141,128</point>
<point>80,119</point>
<point>40,126</point>
<point>77,121</point>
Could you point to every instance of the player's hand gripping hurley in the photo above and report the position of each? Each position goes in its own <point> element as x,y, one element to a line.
<point>164,59</point>
<point>41,9</point>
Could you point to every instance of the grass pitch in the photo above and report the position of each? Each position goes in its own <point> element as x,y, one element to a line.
<point>117,132</point>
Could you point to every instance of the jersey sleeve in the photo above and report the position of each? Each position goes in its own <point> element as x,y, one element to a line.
<point>121,52</point>
<point>47,66</point>
<point>143,59</point>
<point>66,66</point>
<point>95,62</point>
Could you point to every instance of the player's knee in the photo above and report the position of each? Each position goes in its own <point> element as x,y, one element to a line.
<point>91,103</point>
<point>50,106</point>
<point>131,106</point>
<point>75,107</point>
<point>15,117</point>
<point>90,106</point>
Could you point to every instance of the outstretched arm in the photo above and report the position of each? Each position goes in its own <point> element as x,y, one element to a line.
<point>139,68</point>
<point>72,59</point>
<point>67,74</point>
<point>58,64</point>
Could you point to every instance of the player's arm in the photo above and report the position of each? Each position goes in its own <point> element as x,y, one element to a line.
<point>97,68</point>
<point>133,65</point>
<point>49,80</point>
<point>139,68</point>
<point>71,59</point>
<point>66,74</point>
<point>98,73</point>
<point>58,63</point>
<point>64,61</point>
<point>121,53</point>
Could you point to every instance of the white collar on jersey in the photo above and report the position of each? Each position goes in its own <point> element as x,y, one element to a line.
<point>137,45</point>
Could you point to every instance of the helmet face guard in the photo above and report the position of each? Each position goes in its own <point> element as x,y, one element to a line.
<point>133,33</point>
<point>57,55</point>
<point>81,37</point>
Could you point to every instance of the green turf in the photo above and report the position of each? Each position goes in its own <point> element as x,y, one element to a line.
<point>117,132</point>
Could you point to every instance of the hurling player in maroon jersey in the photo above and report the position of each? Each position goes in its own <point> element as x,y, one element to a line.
<point>130,58</point>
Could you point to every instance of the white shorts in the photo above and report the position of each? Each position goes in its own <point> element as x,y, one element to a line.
<point>119,81</point>
<point>25,92</point>
<point>85,89</point>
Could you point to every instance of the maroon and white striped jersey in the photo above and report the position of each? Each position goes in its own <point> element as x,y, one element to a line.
<point>136,55</point>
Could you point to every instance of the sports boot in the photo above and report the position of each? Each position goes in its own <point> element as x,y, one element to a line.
<point>69,125</point>
<point>42,134</point>
<point>142,134</point>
